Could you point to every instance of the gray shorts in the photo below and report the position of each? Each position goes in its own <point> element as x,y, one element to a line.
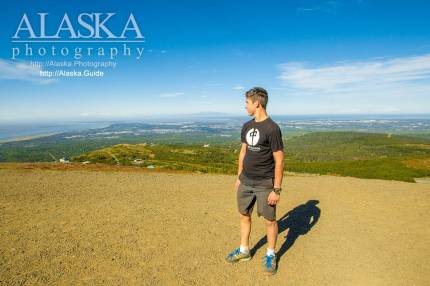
<point>248,195</point>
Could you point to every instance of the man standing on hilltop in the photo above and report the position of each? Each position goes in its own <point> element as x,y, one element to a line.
<point>260,171</point>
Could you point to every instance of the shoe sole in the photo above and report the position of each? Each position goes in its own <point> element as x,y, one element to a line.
<point>239,260</point>
<point>245,259</point>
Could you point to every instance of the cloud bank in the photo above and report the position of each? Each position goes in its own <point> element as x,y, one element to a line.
<point>401,76</point>
<point>20,70</point>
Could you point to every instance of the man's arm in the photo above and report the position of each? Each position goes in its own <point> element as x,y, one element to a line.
<point>279,168</point>
<point>241,156</point>
<point>240,165</point>
<point>273,197</point>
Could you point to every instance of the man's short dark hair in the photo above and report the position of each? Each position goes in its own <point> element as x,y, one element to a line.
<point>258,93</point>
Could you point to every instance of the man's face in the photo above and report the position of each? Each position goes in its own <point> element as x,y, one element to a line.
<point>251,106</point>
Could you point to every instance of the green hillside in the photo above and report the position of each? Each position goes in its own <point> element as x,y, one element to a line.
<point>335,146</point>
<point>363,155</point>
<point>213,159</point>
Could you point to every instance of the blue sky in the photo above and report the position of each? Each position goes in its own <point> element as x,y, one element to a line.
<point>314,57</point>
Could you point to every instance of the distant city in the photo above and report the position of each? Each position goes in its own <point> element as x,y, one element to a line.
<point>219,125</point>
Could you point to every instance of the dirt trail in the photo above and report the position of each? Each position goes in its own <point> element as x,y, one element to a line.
<point>118,228</point>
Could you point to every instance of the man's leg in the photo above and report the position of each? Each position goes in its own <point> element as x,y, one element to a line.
<point>245,203</point>
<point>245,229</point>
<point>272,233</point>
<point>270,263</point>
<point>269,214</point>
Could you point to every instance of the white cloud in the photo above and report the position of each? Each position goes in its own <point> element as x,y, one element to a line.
<point>238,87</point>
<point>20,70</point>
<point>171,94</point>
<point>398,76</point>
<point>399,85</point>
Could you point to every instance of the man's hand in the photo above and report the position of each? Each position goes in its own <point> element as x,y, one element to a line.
<point>273,198</point>
<point>236,187</point>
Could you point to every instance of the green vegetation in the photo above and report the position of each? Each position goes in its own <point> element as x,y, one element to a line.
<point>362,155</point>
<point>339,146</point>
<point>44,149</point>
<point>387,169</point>
<point>211,159</point>
<point>357,154</point>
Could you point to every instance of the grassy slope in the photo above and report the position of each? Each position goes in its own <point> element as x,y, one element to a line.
<point>363,155</point>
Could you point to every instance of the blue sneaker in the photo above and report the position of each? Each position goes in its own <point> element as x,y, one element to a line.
<point>270,264</point>
<point>236,256</point>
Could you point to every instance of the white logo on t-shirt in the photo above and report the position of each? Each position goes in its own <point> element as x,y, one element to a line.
<point>252,136</point>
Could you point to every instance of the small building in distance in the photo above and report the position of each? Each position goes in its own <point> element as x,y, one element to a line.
<point>138,161</point>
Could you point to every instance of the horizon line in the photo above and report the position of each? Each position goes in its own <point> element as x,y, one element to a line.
<point>214,114</point>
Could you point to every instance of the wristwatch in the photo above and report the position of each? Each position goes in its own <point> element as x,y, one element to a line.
<point>277,190</point>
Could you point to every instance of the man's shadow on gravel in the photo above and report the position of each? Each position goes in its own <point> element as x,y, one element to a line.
<point>299,221</point>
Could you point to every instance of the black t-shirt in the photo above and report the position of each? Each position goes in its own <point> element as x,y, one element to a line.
<point>262,138</point>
